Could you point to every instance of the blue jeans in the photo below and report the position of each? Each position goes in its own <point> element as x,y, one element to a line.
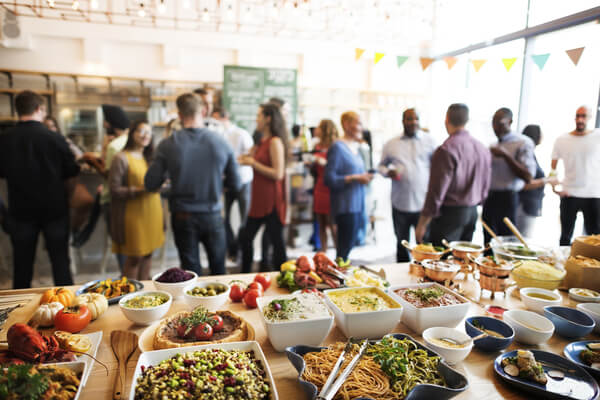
<point>243,199</point>
<point>348,226</point>
<point>189,229</point>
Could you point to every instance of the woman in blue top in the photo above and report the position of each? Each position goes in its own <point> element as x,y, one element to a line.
<point>346,178</point>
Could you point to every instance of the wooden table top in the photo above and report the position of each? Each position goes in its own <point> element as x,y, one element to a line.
<point>477,367</point>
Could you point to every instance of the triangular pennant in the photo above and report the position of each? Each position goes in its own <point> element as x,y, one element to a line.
<point>540,59</point>
<point>426,62</point>
<point>451,61</point>
<point>509,62</point>
<point>575,54</point>
<point>401,60</point>
<point>358,53</point>
<point>477,64</point>
<point>378,57</point>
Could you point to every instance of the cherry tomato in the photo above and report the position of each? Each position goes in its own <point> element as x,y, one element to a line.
<point>216,322</point>
<point>251,296</point>
<point>72,319</point>
<point>181,331</point>
<point>264,280</point>
<point>203,331</point>
<point>236,294</point>
<point>256,286</point>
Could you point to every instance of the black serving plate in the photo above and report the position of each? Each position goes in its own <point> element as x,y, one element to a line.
<point>456,381</point>
<point>576,384</point>
<point>138,286</point>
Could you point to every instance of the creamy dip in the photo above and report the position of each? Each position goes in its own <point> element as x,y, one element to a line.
<point>300,306</point>
<point>146,301</point>
<point>360,300</point>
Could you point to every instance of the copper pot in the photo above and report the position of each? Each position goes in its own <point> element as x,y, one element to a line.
<point>494,283</point>
<point>422,255</point>
<point>440,271</point>
<point>500,270</point>
<point>462,250</point>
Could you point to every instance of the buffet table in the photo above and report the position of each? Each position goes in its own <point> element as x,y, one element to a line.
<point>477,367</point>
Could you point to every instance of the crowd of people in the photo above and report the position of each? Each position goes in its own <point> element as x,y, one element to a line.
<point>205,164</point>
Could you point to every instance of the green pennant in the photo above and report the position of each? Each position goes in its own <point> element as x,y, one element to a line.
<point>540,59</point>
<point>401,60</point>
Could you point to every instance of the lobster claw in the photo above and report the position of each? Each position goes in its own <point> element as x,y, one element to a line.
<point>321,261</point>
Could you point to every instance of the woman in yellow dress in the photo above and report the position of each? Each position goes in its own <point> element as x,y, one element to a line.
<point>136,215</point>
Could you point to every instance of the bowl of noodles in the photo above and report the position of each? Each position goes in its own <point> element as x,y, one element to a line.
<point>425,376</point>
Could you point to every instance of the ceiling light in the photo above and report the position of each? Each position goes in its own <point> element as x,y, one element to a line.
<point>205,15</point>
<point>230,11</point>
<point>51,3</point>
<point>186,4</point>
<point>162,8</point>
<point>94,4</point>
<point>75,5</point>
<point>141,12</point>
<point>274,10</point>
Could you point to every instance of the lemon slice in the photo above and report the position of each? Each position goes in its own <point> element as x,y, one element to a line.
<point>79,343</point>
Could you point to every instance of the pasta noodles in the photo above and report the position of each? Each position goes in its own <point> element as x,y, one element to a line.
<point>389,370</point>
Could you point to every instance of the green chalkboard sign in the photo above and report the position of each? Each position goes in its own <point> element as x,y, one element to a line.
<point>245,88</point>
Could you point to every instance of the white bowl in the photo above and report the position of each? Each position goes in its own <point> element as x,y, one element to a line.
<point>537,305</point>
<point>368,324</point>
<point>282,334</point>
<point>151,358</point>
<point>529,327</point>
<point>419,319</point>
<point>176,289</point>
<point>593,310</point>
<point>145,316</point>
<point>583,299</point>
<point>211,303</point>
<point>450,355</point>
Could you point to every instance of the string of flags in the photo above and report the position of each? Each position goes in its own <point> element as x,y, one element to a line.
<point>539,59</point>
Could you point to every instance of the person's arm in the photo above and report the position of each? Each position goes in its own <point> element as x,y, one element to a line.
<point>232,180</point>
<point>277,154</point>
<point>520,169</point>
<point>70,168</point>
<point>156,174</point>
<point>116,177</point>
<point>336,181</point>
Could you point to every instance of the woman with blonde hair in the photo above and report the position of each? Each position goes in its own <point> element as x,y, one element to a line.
<point>327,134</point>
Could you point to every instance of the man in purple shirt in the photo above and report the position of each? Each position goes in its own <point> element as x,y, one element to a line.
<point>459,181</point>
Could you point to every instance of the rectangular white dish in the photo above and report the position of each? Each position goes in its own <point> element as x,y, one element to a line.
<point>78,367</point>
<point>155,357</point>
<point>419,319</point>
<point>368,324</point>
<point>95,338</point>
<point>283,334</point>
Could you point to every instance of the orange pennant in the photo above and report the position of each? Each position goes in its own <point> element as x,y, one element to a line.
<point>358,53</point>
<point>451,61</point>
<point>477,64</point>
<point>575,54</point>
<point>378,57</point>
<point>426,62</point>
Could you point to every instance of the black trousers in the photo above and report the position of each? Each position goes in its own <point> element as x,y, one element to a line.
<point>499,204</point>
<point>454,223</point>
<point>273,229</point>
<point>24,238</point>
<point>569,207</point>
<point>348,226</point>
<point>243,199</point>
<point>402,223</point>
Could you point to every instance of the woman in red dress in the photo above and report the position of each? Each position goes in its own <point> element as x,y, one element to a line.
<point>327,134</point>
<point>268,200</point>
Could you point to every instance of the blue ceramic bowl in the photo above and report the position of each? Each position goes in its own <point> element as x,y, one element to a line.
<point>490,343</point>
<point>569,322</point>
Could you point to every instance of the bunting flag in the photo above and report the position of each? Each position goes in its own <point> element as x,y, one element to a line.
<point>426,62</point>
<point>540,59</point>
<point>477,64</point>
<point>358,53</point>
<point>451,61</point>
<point>575,54</point>
<point>401,60</point>
<point>508,63</point>
<point>378,57</point>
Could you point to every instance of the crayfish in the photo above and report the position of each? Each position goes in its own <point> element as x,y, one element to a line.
<point>27,344</point>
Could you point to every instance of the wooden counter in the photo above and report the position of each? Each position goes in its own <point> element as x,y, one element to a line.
<point>478,366</point>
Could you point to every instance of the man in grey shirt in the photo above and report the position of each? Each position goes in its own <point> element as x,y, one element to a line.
<point>406,160</point>
<point>199,163</point>
<point>513,165</point>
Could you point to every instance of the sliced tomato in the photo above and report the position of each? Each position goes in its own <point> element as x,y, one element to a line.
<point>203,331</point>
<point>216,322</point>
<point>73,319</point>
<point>264,280</point>
<point>251,296</point>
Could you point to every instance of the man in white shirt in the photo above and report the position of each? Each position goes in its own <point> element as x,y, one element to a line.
<point>241,142</point>
<point>579,151</point>
<point>406,159</point>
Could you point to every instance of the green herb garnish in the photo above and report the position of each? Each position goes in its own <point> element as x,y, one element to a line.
<point>18,379</point>
<point>426,294</point>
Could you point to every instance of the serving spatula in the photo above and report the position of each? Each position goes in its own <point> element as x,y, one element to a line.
<point>123,344</point>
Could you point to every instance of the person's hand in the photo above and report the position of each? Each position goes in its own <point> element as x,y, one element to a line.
<point>559,191</point>
<point>392,174</point>
<point>363,178</point>
<point>246,160</point>
<point>498,151</point>
<point>420,232</point>
<point>552,180</point>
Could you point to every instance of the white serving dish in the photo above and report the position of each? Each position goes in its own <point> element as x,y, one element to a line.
<point>537,305</point>
<point>95,338</point>
<point>78,367</point>
<point>367,324</point>
<point>593,310</point>
<point>419,319</point>
<point>155,357</point>
<point>282,334</point>
<point>521,321</point>
<point>450,355</point>
<point>583,299</point>
<point>211,303</point>
<point>176,288</point>
<point>145,316</point>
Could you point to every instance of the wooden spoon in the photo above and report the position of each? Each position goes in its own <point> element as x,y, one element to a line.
<point>123,344</point>
<point>515,231</point>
